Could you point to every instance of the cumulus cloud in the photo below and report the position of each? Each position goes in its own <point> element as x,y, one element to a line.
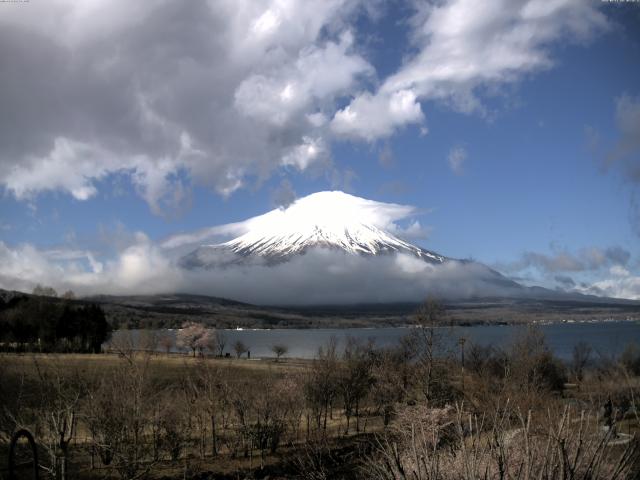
<point>587,259</point>
<point>596,271</point>
<point>457,157</point>
<point>414,230</point>
<point>141,267</point>
<point>370,117</point>
<point>205,93</point>
<point>286,92</point>
<point>216,94</point>
<point>463,47</point>
<point>621,283</point>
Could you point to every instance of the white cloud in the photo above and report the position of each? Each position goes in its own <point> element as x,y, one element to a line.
<point>457,157</point>
<point>585,260</point>
<point>141,267</point>
<point>618,286</point>
<point>205,93</point>
<point>619,271</point>
<point>74,167</point>
<point>217,93</point>
<point>465,45</point>
<point>598,271</point>
<point>377,116</point>
<point>414,231</point>
<point>69,166</point>
<point>75,255</point>
<point>308,152</point>
<point>320,276</point>
<point>315,78</point>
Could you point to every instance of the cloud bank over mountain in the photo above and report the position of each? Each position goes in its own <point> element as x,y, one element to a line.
<point>315,276</point>
<point>319,276</point>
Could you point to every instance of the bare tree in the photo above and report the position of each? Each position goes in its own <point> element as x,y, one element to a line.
<point>207,381</point>
<point>123,343</point>
<point>580,359</point>
<point>279,350</point>
<point>221,342</point>
<point>450,444</point>
<point>354,379</point>
<point>119,411</point>
<point>240,348</point>
<point>321,385</point>
<point>148,340</point>
<point>60,392</point>
<point>429,319</point>
<point>388,382</point>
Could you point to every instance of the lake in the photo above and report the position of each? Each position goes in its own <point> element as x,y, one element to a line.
<point>606,338</point>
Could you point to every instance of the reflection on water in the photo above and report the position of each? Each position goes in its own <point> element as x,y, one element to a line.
<point>606,338</point>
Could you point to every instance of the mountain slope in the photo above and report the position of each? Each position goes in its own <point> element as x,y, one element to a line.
<point>372,264</point>
<point>333,220</point>
<point>358,239</point>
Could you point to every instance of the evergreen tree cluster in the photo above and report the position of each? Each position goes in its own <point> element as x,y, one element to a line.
<point>49,325</point>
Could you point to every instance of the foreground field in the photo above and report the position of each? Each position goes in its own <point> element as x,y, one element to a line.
<point>169,384</point>
<point>409,412</point>
<point>162,366</point>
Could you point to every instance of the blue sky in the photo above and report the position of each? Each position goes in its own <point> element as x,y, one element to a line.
<point>527,160</point>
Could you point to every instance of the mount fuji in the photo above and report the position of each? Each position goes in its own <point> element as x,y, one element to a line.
<point>337,222</point>
<point>331,220</point>
<point>333,248</point>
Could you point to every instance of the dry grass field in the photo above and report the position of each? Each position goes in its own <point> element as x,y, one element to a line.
<point>364,412</point>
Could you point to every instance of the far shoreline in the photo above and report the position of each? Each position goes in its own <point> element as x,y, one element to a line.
<point>347,326</point>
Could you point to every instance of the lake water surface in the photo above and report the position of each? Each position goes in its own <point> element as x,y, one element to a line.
<point>606,338</point>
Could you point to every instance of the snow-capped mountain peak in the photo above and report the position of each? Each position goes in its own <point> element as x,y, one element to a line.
<point>333,220</point>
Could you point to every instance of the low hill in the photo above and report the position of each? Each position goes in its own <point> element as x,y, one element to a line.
<point>172,310</point>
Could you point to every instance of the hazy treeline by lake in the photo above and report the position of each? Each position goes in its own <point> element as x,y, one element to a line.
<point>606,338</point>
<point>425,408</point>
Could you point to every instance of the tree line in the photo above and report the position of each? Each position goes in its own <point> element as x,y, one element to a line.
<point>36,323</point>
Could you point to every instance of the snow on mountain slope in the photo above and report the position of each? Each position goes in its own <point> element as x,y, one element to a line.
<point>358,238</point>
<point>334,220</point>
